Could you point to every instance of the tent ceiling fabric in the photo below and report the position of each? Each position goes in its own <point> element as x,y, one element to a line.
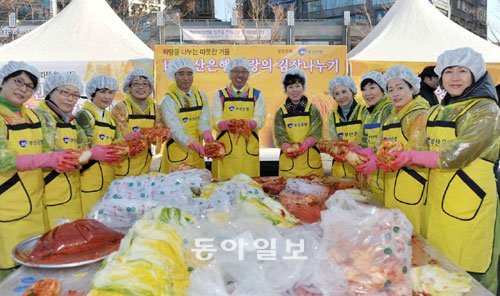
<point>414,30</point>
<point>86,30</point>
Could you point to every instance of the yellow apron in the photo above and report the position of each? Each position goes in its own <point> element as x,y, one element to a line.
<point>372,125</point>
<point>347,130</point>
<point>62,190</point>
<point>175,153</point>
<point>405,188</point>
<point>22,212</point>
<point>139,164</point>
<point>462,204</point>
<point>95,176</point>
<point>297,128</point>
<point>372,131</point>
<point>241,157</point>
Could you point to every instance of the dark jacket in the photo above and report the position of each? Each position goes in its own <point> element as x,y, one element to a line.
<point>427,93</point>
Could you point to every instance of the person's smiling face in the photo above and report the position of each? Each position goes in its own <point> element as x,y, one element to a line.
<point>342,95</point>
<point>456,79</point>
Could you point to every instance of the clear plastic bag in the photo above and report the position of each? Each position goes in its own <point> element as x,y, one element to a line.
<point>304,199</point>
<point>129,198</point>
<point>371,245</point>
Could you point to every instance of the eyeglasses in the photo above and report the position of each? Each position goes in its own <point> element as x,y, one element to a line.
<point>68,94</point>
<point>142,84</point>
<point>20,83</point>
<point>239,72</point>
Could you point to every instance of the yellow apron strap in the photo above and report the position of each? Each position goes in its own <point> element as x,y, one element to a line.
<point>175,98</point>
<point>225,94</point>
<point>283,108</point>
<point>251,93</point>
<point>199,101</point>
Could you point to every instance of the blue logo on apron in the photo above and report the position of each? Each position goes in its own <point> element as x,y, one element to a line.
<point>102,136</point>
<point>185,119</point>
<point>66,140</point>
<point>23,143</point>
<point>341,135</point>
<point>135,128</point>
<point>231,108</point>
<point>290,125</point>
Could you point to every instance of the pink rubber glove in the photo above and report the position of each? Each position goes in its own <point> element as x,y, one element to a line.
<point>207,136</point>
<point>360,150</point>
<point>61,161</point>
<point>428,159</point>
<point>308,143</point>
<point>105,153</point>
<point>371,165</point>
<point>132,135</point>
<point>195,146</point>
<point>252,123</point>
<point>223,125</point>
<point>285,146</point>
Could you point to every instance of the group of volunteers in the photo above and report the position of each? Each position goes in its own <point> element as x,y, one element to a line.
<point>443,180</point>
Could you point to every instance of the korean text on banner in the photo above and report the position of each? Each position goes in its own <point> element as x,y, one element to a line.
<point>268,63</point>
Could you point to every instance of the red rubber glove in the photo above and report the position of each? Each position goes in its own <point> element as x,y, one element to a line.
<point>252,123</point>
<point>105,153</point>
<point>195,146</point>
<point>207,136</point>
<point>285,146</point>
<point>223,125</point>
<point>428,159</point>
<point>308,143</point>
<point>53,160</point>
<point>131,135</point>
<point>371,165</point>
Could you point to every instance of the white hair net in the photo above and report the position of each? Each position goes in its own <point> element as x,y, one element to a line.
<point>345,81</point>
<point>14,66</point>
<point>65,78</point>
<point>465,57</point>
<point>176,65</point>
<point>237,62</point>
<point>375,76</point>
<point>136,73</point>
<point>294,71</point>
<point>404,73</point>
<point>100,82</point>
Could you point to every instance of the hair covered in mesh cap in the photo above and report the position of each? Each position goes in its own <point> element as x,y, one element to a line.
<point>465,57</point>
<point>345,81</point>
<point>375,76</point>
<point>294,72</point>
<point>404,73</point>
<point>13,66</point>
<point>65,78</point>
<point>177,64</point>
<point>100,82</point>
<point>237,62</point>
<point>137,73</point>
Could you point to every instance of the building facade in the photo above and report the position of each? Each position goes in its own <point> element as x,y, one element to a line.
<point>470,14</point>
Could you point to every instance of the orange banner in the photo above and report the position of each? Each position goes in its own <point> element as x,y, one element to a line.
<point>268,63</point>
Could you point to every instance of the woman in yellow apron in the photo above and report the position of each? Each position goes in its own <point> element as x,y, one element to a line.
<point>26,145</point>
<point>62,189</point>
<point>137,111</point>
<point>186,112</point>
<point>101,131</point>
<point>378,108</point>
<point>404,188</point>
<point>238,101</point>
<point>298,121</point>
<point>463,131</point>
<point>344,122</point>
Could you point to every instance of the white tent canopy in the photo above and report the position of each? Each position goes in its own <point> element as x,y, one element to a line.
<point>86,30</point>
<point>415,31</point>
